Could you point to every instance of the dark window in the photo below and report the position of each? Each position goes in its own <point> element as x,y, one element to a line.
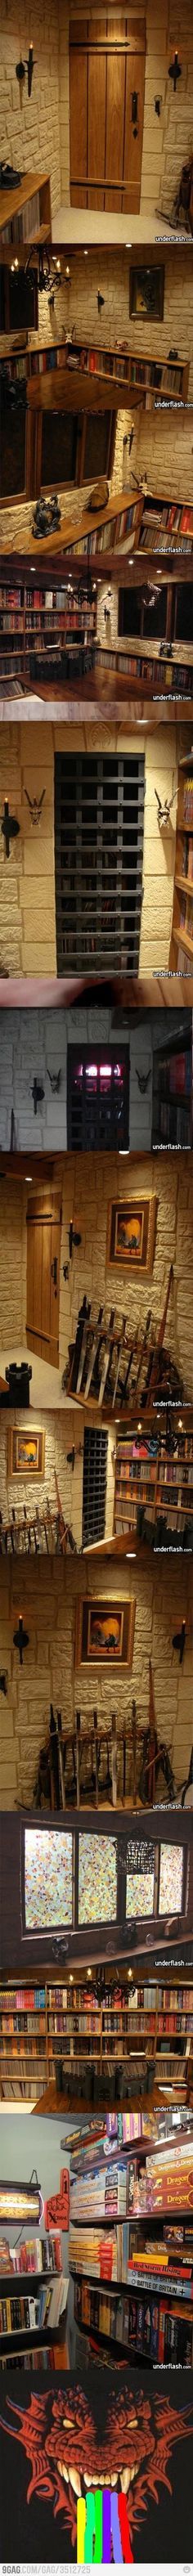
<point>12,438</point>
<point>94,1485</point>
<point>99,811</point>
<point>97,1098</point>
<point>59,438</point>
<point>137,619</point>
<point>184,613</point>
<point>96,454</point>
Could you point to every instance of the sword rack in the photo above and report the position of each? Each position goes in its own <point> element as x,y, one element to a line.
<point>46,1534</point>
<point>92,1764</point>
<point>107,1367</point>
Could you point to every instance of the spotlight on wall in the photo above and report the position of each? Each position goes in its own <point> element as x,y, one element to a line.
<point>21,1639</point>
<point>73,1239</point>
<point>174,70</point>
<point>37,1094</point>
<point>23,67</point>
<point>9,827</point>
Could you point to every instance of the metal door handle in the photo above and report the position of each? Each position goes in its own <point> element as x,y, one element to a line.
<point>134,110</point>
<point>54,1266</point>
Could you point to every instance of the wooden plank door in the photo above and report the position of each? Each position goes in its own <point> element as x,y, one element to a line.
<point>107,81</point>
<point>43,1275</point>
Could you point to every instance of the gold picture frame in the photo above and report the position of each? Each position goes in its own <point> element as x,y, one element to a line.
<point>105,1632</point>
<point>131,1232</point>
<point>26,1452</point>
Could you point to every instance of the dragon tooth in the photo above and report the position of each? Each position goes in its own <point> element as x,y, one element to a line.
<point>75,2481</point>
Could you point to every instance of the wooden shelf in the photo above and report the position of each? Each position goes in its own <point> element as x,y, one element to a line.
<point>13,200</point>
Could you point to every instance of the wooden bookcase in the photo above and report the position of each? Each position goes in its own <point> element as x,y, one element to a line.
<point>182,924</point>
<point>124,2025</point>
<point>129,2289</point>
<point>161,1483</point>
<point>97,532</point>
<point>35,185</point>
<point>140,377</point>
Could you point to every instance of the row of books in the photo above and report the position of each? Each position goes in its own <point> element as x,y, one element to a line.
<point>119,364</point>
<point>21,1998</point>
<point>37,2357</point>
<point>176,676</point>
<point>25,2312</point>
<point>35,2254</point>
<point>147,2325</point>
<point>186,916</point>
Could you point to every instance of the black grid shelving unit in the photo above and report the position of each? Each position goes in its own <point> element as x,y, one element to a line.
<point>99,826</point>
<point>97,1098</point>
<point>94,1485</point>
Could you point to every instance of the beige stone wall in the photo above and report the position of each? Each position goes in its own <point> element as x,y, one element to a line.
<point>16,523</point>
<point>37,133</point>
<point>30,128</point>
<point>27,891</point>
<point>12,1262</point>
<point>49,1596</point>
<point>110,270</point>
<point>162,449</point>
<point>62,1433</point>
<point>90,1182</point>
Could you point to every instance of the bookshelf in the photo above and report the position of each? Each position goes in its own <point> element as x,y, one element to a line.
<point>170,521</point>
<point>181,946</point>
<point>70,2028</point>
<point>25,209</point>
<point>44,632</point>
<point>32,2298</point>
<point>132,2271</point>
<point>146,1475</point>
<point>142,376</point>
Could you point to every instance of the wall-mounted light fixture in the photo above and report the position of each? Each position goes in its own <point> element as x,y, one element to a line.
<point>174,70</point>
<point>157,106</point>
<point>37,1094</point>
<point>3,1677</point>
<point>23,67</point>
<point>73,1239</point>
<point>21,1639</point>
<point>100,302</point>
<point>9,827</point>
<point>20,2201</point>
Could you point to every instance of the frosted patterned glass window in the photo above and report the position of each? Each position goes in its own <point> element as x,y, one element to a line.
<point>139,1892</point>
<point>97,1879</point>
<point>48,1879</point>
<point>171,1871</point>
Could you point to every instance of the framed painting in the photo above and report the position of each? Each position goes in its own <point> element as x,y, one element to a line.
<point>26,1452</point>
<point>131,1232</point>
<point>146,292</point>
<point>105,1632</point>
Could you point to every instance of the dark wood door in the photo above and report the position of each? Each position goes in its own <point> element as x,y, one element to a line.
<point>43,1275</point>
<point>107,81</point>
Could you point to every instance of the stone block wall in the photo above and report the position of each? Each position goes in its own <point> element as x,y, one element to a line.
<point>76,304</point>
<point>36,132</point>
<point>27,888</point>
<point>49,1671</point>
<point>30,128</point>
<point>35,1043</point>
<point>90,1183</point>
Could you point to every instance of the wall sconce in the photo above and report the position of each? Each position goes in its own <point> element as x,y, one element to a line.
<point>37,1094</point>
<point>179,1641</point>
<point>21,1638</point>
<point>22,68</point>
<point>68,279</point>
<point>72,1454</point>
<point>9,827</point>
<point>157,106</point>
<point>100,302</point>
<point>3,1677</point>
<point>73,1239</point>
<point>20,2201</point>
<point>174,70</point>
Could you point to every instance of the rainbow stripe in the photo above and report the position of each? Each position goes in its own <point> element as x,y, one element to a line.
<point>102,2520</point>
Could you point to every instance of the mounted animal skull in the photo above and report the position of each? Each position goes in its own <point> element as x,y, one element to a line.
<point>164,810</point>
<point>35,806</point>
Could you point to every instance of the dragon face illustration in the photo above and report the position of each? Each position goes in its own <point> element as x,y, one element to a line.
<point>69,2454</point>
